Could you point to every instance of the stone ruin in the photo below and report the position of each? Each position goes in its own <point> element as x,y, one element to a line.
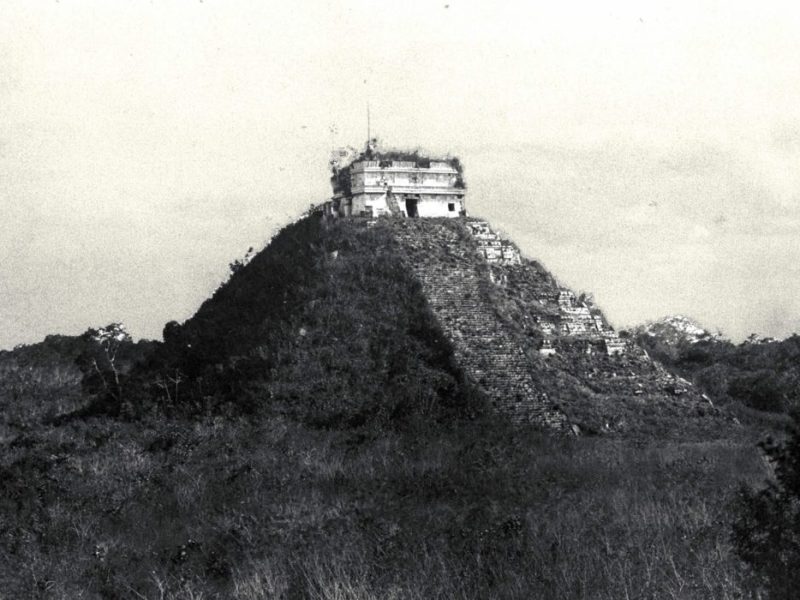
<point>576,317</point>
<point>515,331</point>
<point>493,248</point>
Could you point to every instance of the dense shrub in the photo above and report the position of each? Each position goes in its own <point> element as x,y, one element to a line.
<point>764,376</point>
<point>767,532</point>
<point>760,391</point>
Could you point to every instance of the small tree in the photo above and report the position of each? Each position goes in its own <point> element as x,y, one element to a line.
<point>766,534</point>
<point>169,384</point>
<point>100,361</point>
<point>240,263</point>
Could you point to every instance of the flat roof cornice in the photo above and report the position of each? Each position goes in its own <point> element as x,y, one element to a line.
<point>396,189</point>
<point>360,168</point>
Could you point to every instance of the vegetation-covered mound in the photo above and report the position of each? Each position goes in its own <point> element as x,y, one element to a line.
<point>327,325</point>
<point>337,323</point>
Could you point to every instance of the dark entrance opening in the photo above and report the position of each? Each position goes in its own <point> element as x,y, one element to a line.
<point>411,207</point>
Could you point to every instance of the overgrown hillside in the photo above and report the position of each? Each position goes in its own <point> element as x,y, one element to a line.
<point>43,381</point>
<point>38,381</point>
<point>327,325</point>
<point>317,430</point>
<point>761,376</point>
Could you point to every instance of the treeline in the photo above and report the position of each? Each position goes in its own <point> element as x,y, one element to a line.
<point>61,375</point>
<point>762,376</point>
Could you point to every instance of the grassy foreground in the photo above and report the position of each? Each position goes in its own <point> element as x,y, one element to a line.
<point>268,508</point>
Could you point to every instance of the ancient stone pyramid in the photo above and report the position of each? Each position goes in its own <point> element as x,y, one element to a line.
<point>532,348</point>
<point>529,343</point>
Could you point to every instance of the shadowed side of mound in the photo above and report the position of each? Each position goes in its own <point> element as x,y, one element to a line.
<point>341,322</point>
<point>327,324</point>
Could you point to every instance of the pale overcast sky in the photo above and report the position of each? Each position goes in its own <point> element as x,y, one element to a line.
<point>646,154</point>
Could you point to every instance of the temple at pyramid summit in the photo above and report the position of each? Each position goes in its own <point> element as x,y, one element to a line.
<point>468,307</point>
<point>373,183</point>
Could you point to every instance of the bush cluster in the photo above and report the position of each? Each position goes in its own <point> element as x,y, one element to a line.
<point>764,376</point>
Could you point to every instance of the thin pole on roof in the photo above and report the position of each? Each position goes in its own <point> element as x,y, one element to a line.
<point>368,124</point>
<point>333,130</point>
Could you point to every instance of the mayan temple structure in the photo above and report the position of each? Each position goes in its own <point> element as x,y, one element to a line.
<point>520,336</point>
<point>373,184</point>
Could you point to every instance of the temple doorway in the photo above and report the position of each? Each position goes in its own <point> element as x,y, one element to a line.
<point>411,207</point>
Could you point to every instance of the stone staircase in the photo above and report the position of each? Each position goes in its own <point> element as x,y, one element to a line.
<point>454,283</point>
